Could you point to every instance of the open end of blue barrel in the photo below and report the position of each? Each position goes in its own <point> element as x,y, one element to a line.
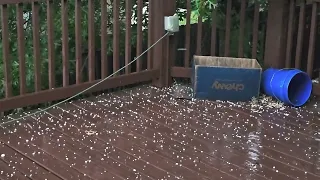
<point>299,89</point>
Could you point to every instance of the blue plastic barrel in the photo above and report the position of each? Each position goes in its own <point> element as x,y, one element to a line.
<point>291,86</point>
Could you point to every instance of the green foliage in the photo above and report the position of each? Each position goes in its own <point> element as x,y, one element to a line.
<point>202,7</point>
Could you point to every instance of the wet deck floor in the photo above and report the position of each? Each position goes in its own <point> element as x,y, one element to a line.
<point>144,133</point>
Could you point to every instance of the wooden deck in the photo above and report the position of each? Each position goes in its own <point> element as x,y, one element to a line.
<point>144,133</point>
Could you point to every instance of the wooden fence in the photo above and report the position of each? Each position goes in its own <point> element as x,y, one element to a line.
<point>272,40</point>
<point>38,94</point>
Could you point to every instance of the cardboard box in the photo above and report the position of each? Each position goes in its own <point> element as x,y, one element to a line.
<point>225,78</point>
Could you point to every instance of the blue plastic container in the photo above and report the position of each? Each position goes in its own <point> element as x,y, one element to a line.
<point>291,86</point>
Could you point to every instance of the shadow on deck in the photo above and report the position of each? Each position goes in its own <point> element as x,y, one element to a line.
<point>144,133</point>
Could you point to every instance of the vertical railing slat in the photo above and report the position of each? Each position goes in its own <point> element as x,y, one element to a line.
<point>6,51</point>
<point>150,34</point>
<point>65,43</point>
<point>91,41</point>
<point>21,49</point>
<point>128,35</point>
<point>36,45</point>
<point>139,34</point>
<point>312,38</point>
<point>104,35</point>
<point>187,37</point>
<point>116,35</point>
<point>255,31</point>
<point>228,29</point>
<point>51,52</point>
<point>300,35</point>
<point>242,27</point>
<point>290,33</point>
<point>78,41</point>
<point>214,32</point>
<point>199,36</point>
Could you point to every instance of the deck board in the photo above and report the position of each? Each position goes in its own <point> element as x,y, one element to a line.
<point>129,124</point>
<point>224,116</point>
<point>92,147</point>
<point>8,171</point>
<point>143,133</point>
<point>267,125</point>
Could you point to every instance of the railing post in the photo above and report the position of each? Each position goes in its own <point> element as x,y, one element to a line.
<point>276,35</point>
<point>164,52</point>
<point>158,32</point>
<point>171,51</point>
<point>171,43</point>
<point>170,9</point>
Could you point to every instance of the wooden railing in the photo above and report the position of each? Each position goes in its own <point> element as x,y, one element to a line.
<point>69,45</point>
<point>280,34</point>
<point>103,53</point>
<point>301,36</point>
<point>292,37</point>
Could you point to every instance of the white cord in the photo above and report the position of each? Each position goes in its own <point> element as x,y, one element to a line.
<point>45,109</point>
